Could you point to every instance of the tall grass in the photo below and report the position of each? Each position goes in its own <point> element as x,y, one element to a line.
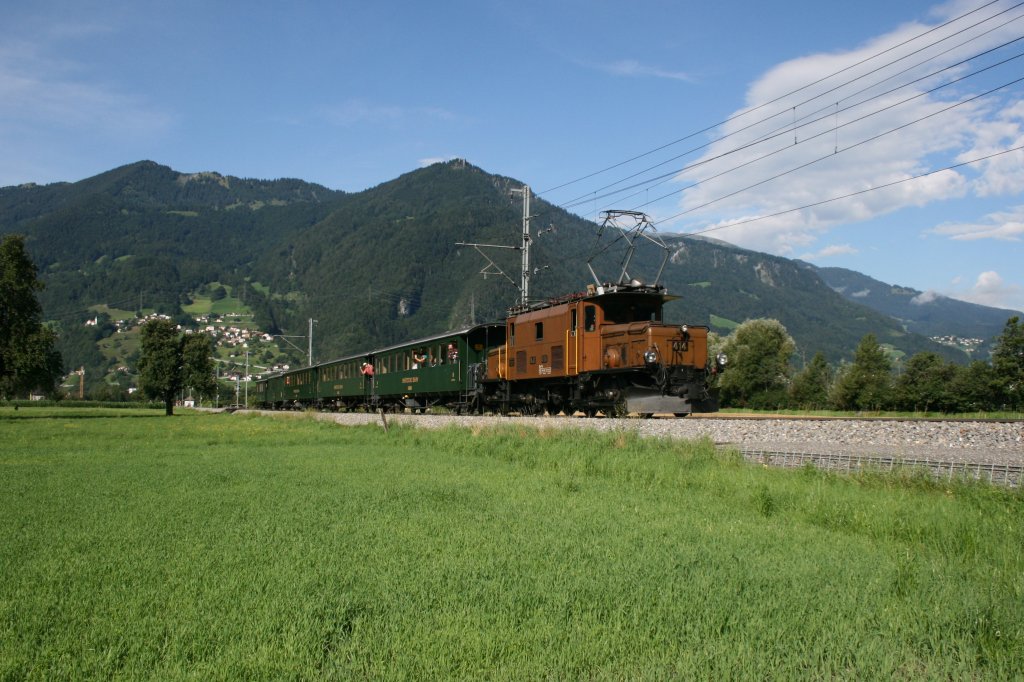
<point>220,546</point>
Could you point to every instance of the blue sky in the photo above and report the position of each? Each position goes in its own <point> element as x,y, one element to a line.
<point>352,94</point>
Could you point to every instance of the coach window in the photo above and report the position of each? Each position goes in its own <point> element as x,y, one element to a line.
<point>589,318</point>
<point>511,333</point>
<point>572,322</point>
<point>539,326</point>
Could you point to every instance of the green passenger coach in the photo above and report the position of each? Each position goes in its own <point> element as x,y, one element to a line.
<point>342,384</point>
<point>441,370</point>
<point>437,370</point>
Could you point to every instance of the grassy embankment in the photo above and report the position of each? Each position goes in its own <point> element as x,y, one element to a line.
<point>220,546</point>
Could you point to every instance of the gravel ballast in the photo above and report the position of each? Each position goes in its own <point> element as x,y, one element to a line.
<point>951,441</point>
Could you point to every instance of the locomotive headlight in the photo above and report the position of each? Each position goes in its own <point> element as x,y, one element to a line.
<point>651,357</point>
<point>722,359</point>
<point>685,330</point>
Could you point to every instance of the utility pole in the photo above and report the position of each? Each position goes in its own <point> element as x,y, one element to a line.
<point>311,321</point>
<point>492,268</point>
<point>525,280</point>
<point>247,375</point>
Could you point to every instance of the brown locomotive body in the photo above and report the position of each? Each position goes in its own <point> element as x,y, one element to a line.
<point>605,350</point>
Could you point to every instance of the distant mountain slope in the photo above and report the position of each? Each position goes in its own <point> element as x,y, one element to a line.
<point>151,232</point>
<point>384,264</point>
<point>737,284</point>
<point>924,313</point>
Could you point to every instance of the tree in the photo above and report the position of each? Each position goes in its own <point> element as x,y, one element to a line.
<point>160,362</point>
<point>974,388</point>
<point>758,371</point>
<point>925,384</point>
<point>1008,363</point>
<point>28,356</point>
<point>169,361</point>
<point>809,389</point>
<point>197,365</point>
<point>866,384</point>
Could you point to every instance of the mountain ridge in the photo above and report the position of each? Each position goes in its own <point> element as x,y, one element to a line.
<point>384,265</point>
<point>922,312</point>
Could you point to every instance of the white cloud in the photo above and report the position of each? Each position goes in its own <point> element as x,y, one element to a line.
<point>762,164</point>
<point>990,289</point>
<point>829,251</point>
<point>1001,174</point>
<point>35,87</point>
<point>59,115</point>
<point>863,293</point>
<point>1002,226</point>
<point>925,298</point>
<point>632,68</point>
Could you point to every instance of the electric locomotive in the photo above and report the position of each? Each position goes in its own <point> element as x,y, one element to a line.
<point>606,350</point>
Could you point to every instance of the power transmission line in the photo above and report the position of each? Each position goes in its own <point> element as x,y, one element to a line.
<point>828,156</point>
<point>857,193</point>
<point>591,196</point>
<point>780,97</point>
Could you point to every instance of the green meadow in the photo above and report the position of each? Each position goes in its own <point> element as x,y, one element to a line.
<point>134,545</point>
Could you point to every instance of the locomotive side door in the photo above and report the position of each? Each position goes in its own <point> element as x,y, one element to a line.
<point>572,342</point>
<point>590,345</point>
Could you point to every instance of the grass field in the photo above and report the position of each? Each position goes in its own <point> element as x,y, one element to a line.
<point>233,547</point>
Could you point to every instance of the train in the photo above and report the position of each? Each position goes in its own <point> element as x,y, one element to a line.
<point>606,350</point>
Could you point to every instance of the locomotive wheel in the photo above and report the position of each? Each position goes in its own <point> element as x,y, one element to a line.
<point>619,410</point>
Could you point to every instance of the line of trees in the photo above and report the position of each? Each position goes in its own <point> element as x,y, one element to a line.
<point>760,376</point>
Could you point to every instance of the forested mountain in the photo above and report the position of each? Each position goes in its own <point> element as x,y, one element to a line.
<point>147,233</point>
<point>382,265</point>
<point>719,281</point>
<point>924,313</point>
